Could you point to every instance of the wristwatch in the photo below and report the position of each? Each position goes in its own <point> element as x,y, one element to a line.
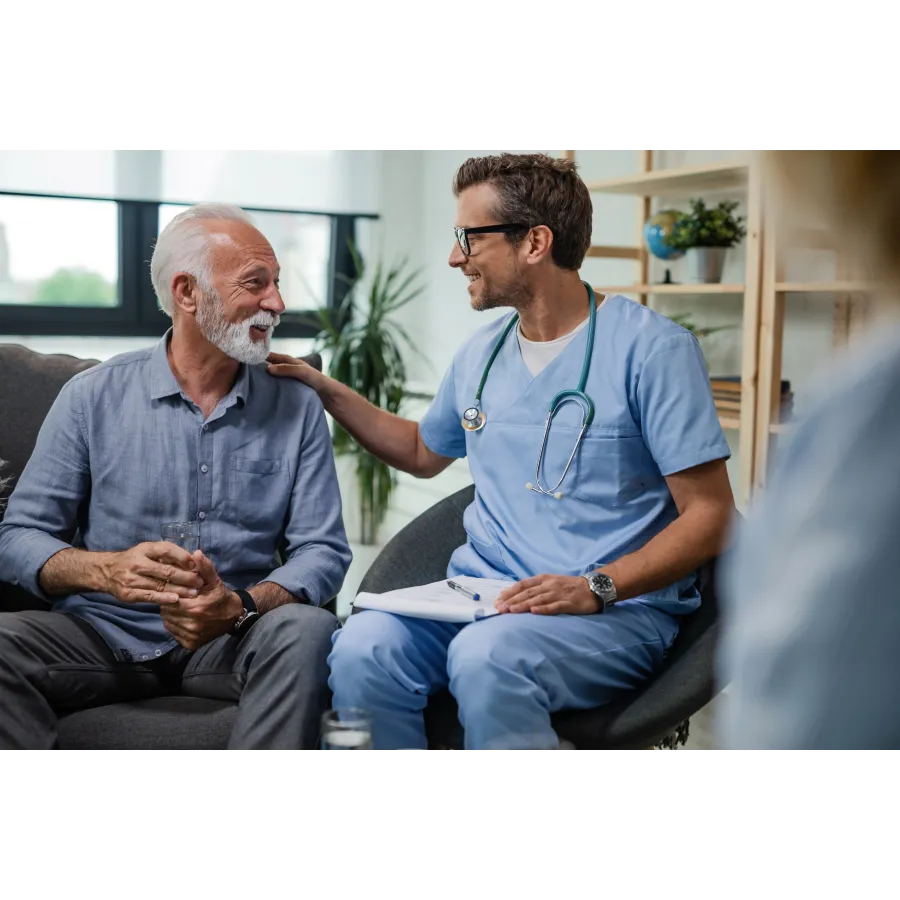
<point>602,588</point>
<point>247,619</point>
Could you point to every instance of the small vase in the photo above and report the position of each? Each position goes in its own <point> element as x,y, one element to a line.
<point>705,264</point>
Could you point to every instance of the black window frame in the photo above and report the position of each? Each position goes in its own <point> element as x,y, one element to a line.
<point>138,313</point>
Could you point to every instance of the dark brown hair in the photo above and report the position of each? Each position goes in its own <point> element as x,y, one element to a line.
<point>534,189</point>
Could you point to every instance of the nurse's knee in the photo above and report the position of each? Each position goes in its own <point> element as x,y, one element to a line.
<point>481,651</point>
<point>353,653</point>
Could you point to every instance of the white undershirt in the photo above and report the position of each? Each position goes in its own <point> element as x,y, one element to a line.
<point>537,355</point>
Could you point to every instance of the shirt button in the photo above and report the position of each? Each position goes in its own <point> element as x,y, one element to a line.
<point>202,515</point>
<point>145,656</point>
<point>159,652</point>
<point>206,427</point>
<point>204,468</point>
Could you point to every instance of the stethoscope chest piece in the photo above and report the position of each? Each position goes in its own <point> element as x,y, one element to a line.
<point>473,419</point>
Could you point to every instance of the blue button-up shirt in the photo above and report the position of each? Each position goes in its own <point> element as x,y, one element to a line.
<point>124,450</point>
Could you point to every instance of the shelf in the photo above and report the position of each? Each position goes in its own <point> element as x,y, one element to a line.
<point>732,422</point>
<point>644,289</point>
<point>598,251</point>
<point>682,182</point>
<point>824,287</point>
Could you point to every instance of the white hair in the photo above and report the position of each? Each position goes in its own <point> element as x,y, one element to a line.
<point>184,246</point>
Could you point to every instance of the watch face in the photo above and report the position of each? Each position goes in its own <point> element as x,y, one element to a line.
<point>602,583</point>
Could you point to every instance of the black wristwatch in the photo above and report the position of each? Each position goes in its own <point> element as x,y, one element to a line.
<point>247,619</point>
<point>602,588</point>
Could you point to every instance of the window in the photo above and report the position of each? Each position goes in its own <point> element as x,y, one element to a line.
<point>58,252</point>
<point>79,266</point>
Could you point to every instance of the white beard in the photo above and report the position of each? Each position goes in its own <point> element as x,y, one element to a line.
<point>233,338</point>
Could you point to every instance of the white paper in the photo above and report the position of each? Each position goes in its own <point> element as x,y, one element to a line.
<point>438,601</point>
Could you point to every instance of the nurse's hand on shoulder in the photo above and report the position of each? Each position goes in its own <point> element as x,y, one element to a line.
<point>549,595</point>
<point>285,366</point>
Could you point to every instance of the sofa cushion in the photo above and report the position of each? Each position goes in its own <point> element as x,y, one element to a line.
<point>163,723</point>
<point>29,383</point>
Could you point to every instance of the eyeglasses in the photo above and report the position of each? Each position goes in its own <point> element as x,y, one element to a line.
<point>462,234</point>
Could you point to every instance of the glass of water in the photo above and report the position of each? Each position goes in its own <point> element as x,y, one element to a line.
<point>346,729</point>
<point>182,534</point>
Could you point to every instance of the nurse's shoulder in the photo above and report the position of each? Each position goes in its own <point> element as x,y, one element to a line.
<point>638,327</point>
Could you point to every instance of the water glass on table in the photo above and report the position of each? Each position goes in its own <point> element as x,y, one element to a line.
<point>346,729</point>
<point>182,534</point>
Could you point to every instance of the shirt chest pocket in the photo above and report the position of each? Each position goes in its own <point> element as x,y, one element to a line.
<point>258,493</point>
<point>611,469</point>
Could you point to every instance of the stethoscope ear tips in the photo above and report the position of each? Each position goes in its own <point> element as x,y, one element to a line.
<point>558,495</point>
<point>529,486</point>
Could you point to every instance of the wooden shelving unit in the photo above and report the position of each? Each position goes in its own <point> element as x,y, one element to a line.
<point>734,176</point>
<point>644,290</point>
<point>825,287</point>
<point>850,296</point>
<point>687,181</point>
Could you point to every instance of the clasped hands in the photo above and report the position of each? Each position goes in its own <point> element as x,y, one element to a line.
<point>195,605</point>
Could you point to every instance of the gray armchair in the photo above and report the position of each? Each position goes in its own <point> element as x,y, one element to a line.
<point>29,383</point>
<point>654,715</point>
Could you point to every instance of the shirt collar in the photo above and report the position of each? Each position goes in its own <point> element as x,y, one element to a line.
<point>163,382</point>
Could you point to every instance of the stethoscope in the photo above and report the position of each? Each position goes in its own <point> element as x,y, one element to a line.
<point>474,418</point>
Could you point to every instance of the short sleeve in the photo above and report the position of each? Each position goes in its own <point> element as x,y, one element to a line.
<point>441,427</point>
<point>678,416</point>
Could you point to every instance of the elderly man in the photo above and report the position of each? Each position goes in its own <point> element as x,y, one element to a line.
<point>191,429</point>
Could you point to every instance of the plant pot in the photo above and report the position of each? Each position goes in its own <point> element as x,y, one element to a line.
<point>705,264</point>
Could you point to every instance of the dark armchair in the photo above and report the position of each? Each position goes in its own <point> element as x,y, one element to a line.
<point>655,715</point>
<point>29,383</point>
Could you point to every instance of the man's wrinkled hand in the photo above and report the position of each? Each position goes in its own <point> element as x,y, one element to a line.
<point>152,572</point>
<point>197,621</point>
<point>549,595</point>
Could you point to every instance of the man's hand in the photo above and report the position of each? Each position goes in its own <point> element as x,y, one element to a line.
<point>285,366</point>
<point>549,595</point>
<point>195,622</point>
<point>152,572</point>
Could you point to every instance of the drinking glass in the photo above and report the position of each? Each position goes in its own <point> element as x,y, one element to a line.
<point>346,729</point>
<point>182,534</point>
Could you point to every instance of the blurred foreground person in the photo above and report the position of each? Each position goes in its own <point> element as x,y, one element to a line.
<point>811,592</point>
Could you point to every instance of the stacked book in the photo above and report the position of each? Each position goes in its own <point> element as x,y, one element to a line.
<point>727,395</point>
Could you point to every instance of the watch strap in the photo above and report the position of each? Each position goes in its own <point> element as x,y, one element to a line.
<point>247,619</point>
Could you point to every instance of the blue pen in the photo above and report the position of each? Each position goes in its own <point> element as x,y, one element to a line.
<point>462,590</point>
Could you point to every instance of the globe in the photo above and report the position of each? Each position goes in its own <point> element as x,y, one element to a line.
<point>656,228</point>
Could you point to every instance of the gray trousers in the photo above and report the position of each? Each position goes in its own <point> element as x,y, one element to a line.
<point>54,663</point>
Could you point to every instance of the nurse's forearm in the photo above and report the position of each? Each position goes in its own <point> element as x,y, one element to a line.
<point>694,538</point>
<point>391,438</point>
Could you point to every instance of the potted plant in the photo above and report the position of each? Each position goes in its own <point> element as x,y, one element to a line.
<point>363,343</point>
<point>706,233</point>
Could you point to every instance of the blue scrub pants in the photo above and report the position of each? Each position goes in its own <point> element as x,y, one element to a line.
<point>507,673</point>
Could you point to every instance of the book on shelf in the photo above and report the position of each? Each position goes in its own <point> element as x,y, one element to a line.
<point>726,391</point>
<point>731,385</point>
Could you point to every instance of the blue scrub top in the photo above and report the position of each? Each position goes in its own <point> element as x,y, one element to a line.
<point>654,416</point>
